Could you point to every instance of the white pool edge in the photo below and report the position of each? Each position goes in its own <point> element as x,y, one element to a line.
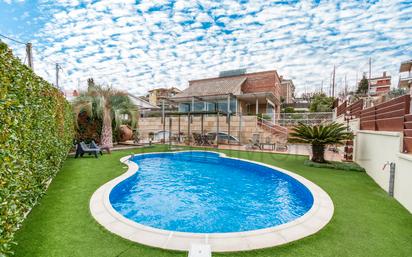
<point>311,222</point>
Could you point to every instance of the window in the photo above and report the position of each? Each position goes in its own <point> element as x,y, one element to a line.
<point>184,107</point>
<point>199,106</point>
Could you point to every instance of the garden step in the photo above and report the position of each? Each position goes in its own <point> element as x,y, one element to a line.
<point>408,117</point>
<point>408,125</point>
<point>407,132</point>
<point>407,144</point>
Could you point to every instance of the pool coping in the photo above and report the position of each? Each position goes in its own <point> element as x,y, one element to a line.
<point>311,222</point>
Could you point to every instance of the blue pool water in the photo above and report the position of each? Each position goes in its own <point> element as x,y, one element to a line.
<point>201,192</point>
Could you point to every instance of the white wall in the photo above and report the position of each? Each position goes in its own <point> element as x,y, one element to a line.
<point>373,149</point>
<point>403,180</point>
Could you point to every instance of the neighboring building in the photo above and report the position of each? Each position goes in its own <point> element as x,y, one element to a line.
<point>158,94</point>
<point>142,104</point>
<point>299,105</point>
<point>233,92</point>
<point>405,75</point>
<point>380,85</point>
<point>287,90</point>
<point>71,94</point>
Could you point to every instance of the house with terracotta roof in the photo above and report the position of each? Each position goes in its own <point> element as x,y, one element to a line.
<point>235,92</point>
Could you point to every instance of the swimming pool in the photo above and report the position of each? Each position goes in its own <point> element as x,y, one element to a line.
<point>202,192</point>
<point>172,200</point>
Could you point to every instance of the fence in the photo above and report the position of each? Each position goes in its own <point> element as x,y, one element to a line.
<point>393,115</point>
<point>354,109</point>
<point>309,118</point>
<point>389,116</point>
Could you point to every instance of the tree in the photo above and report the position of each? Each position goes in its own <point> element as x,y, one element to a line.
<point>396,92</point>
<point>319,136</point>
<point>107,104</point>
<point>321,103</point>
<point>363,86</point>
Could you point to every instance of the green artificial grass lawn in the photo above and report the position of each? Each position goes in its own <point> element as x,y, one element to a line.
<point>366,222</point>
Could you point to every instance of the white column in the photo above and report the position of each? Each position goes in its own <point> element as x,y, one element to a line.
<point>228,104</point>
<point>257,106</point>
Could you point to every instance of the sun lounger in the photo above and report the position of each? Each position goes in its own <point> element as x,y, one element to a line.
<point>93,145</point>
<point>82,148</point>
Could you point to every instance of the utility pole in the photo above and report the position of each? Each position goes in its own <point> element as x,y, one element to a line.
<point>346,87</point>
<point>29,54</point>
<point>333,81</point>
<point>57,75</point>
<point>356,81</point>
<point>369,81</point>
<point>321,87</point>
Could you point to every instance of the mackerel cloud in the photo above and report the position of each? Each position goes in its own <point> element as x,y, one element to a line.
<point>137,46</point>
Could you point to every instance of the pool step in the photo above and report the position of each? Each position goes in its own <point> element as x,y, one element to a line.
<point>200,250</point>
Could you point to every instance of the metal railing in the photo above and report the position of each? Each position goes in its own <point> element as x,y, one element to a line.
<point>309,118</point>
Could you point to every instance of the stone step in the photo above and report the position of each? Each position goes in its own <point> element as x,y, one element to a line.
<point>407,132</point>
<point>408,117</point>
<point>408,125</point>
<point>407,144</point>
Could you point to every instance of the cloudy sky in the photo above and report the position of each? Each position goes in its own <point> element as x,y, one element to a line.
<point>140,45</point>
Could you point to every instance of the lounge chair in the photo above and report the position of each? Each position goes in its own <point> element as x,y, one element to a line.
<point>93,145</point>
<point>82,148</point>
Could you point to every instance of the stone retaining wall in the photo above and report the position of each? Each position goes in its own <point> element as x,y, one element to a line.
<point>242,127</point>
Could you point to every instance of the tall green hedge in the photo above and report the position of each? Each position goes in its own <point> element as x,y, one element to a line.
<point>36,131</point>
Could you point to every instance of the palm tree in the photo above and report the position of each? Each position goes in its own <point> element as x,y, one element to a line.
<point>105,103</point>
<point>319,136</point>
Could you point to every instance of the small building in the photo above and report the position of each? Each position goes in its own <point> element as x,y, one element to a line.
<point>287,90</point>
<point>299,105</point>
<point>380,85</point>
<point>235,92</point>
<point>71,94</point>
<point>158,94</point>
<point>142,104</point>
<point>405,75</point>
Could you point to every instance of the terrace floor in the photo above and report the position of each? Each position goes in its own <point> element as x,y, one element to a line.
<point>366,222</point>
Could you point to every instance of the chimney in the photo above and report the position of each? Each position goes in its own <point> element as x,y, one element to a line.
<point>281,77</point>
<point>384,74</point>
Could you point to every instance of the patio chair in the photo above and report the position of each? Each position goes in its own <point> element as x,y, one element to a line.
<point>254,142</point>
<point>82,148</point>
<point>281,143</point>
<point>205,139</point>
<point>197,138</point>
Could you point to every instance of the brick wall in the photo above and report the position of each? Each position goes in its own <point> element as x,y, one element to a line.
<point>262,82</point>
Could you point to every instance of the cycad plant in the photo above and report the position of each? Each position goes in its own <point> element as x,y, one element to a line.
<point>319,136</point>
<point>107,104</point>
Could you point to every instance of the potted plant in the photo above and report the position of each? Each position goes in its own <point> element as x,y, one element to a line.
<point>319,136</point>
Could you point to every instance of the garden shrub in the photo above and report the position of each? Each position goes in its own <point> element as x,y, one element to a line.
<point>36,124</point>
<point>348,166</point>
